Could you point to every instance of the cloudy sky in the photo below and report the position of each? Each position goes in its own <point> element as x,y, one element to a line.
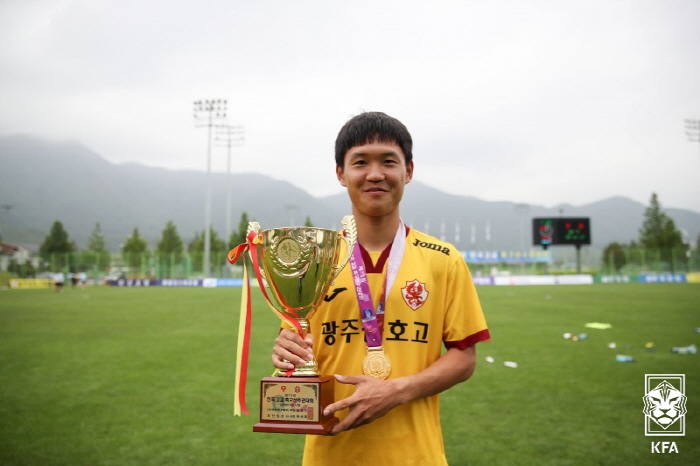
<point>540,102</point>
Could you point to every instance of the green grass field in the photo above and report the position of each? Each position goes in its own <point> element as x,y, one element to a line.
<point>144,376</point>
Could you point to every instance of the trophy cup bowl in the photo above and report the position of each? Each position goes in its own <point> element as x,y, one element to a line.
<point>296,266</point>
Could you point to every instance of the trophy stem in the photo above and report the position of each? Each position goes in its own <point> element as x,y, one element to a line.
<point>304,324</point>
<point>308,369</point>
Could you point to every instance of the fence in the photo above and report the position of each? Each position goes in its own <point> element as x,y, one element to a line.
<point>159,266</point>
<point>149,264</point>
<point>628,260</point>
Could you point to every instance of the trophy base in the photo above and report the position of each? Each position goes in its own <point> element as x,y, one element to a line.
<point>294,405</point>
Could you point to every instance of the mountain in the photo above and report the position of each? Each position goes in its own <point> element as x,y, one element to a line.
<point>45,181</point>
<point>509,224</point>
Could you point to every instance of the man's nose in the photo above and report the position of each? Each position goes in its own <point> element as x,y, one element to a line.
<point>375,172</point>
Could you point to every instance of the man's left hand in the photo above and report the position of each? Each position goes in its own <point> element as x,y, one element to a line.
<point>372,399</point>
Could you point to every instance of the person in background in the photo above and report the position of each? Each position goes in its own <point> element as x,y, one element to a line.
<point>58,279</point>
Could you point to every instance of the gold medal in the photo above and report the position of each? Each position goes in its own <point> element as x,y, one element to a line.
<point>376,363</point>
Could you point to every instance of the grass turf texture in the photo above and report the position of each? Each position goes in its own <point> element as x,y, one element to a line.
<point>144,376</point>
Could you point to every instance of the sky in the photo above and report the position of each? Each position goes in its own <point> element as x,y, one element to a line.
<point>535,102</point>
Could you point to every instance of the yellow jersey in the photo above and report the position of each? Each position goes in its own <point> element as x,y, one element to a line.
<point>432,302</point>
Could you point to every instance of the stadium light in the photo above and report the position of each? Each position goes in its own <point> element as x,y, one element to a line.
<point>206,114</point>
<point>229,136</point>
<point>692,129</point>
<point>6,207</point>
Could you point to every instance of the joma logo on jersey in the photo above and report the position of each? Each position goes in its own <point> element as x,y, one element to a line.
<point>433,246</point>
<point>331,297</point>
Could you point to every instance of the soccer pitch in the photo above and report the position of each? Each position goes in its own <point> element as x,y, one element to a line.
<point>144,376</point>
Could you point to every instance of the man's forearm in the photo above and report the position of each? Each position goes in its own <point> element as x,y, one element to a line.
<point>453,367</point>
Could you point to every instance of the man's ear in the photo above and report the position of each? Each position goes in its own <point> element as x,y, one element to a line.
<point>341,175</point>
<point>409,172</point>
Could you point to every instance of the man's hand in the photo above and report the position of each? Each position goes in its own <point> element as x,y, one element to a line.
<point>372,399</point>
<point>291,350</point>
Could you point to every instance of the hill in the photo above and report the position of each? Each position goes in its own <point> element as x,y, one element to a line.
<point>47,181</point>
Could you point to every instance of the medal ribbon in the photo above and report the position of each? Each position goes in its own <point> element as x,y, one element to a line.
<point>244,321</point>
<point>373,321</point>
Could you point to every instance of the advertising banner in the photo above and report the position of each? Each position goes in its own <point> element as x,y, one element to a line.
<point>31,283</point>
<point>544,280</point>
<point>661,278</point>
<point>138,282</point>
<point>229,282</point>
<point>507,257</point>
<point>615,279</point>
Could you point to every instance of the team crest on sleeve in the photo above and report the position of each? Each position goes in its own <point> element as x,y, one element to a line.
<point>415,294</point>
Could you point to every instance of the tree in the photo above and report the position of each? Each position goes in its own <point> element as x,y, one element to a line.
<point>97,240</point>
<point>170,242</point>
<point>196,247</point>
<point>97,251</point>
<point>56,246</point>
<point>23,271</point>
<point>239,236</point>
<point>134,249</point>
<point>308,223</point>
<point>170,248</point>
<point>614,254</point>
<point>659,232</point>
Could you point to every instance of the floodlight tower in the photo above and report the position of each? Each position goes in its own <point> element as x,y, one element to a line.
<point>522,210</point>
<point>230,136</point>
<point>292,210</point>
<point>206,114</point>
<point>692,129</point>
<point>6,207</point>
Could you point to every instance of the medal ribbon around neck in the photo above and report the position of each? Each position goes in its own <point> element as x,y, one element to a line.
<point>373,320</point>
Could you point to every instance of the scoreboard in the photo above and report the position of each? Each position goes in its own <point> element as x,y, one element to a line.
<point>555,231</point>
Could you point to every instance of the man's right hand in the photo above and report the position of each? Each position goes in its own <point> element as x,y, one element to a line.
<point>291,350</point>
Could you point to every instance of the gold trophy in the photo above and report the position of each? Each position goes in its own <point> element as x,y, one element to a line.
<point>296,266</point>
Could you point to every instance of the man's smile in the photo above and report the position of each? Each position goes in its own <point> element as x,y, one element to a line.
<point>376,190</point>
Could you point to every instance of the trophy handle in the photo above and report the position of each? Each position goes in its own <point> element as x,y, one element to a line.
<point>253,226</point>
<point>350,238</point>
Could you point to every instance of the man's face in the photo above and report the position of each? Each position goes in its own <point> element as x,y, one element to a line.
<point>375,175</point>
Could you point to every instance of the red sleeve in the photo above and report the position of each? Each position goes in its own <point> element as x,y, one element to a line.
<point>471,340</point>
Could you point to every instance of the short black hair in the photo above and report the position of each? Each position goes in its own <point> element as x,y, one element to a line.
<point>369,127</point>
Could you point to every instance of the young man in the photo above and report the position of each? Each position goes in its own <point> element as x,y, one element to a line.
<point>383,342</point>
